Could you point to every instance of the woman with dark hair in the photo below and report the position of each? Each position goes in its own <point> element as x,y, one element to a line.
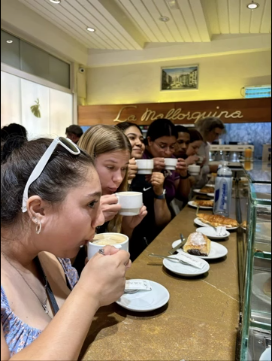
<point>13,130</point>
<point>196,140</point>
<point>160,143</point>
<point>158,213</point>
<point>135,136</point>
<point>211,129</point>
<point>50,207</point>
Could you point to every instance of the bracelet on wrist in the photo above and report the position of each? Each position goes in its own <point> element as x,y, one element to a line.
<point>161,196</point>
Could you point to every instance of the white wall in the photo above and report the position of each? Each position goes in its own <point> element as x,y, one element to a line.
<point>18,95</point>
<point>220,77</point>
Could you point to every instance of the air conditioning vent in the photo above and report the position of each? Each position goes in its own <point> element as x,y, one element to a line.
<point>262,91</point>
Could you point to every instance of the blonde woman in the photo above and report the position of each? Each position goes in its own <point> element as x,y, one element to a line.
<point>111,150</point>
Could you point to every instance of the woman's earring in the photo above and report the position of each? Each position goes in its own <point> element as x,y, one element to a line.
<point>38,227</point>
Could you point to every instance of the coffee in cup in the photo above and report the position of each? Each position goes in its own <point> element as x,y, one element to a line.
<point>131,203</point>
<point>145,166</point>
<point>194,169</point>
<point>101,240</point>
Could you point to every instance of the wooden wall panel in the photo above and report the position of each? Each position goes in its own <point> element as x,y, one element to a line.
<point>229,111</point>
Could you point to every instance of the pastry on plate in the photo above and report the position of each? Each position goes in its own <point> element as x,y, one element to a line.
<point>207,190</point>
<point>216,220</point>
<point>204,203</point>
<point>267,287</point>
<point>197,244</point>
<point>244,224</point>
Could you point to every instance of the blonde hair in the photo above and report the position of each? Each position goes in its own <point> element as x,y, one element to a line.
<point>102,139</point>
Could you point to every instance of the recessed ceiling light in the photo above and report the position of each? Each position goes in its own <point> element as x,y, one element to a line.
<point>252,6</point>
<point>9,41</point>
<point>172,4</point>
<point>164,19</point>
<point>55,1</point>
<point>92,30</point>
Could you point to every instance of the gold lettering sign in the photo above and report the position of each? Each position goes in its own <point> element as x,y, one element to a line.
<point>175,114</point>
<point>131,118</point>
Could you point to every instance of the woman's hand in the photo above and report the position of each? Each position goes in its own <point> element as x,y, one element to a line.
<point>192,159</point>
<point>109,206</point>
<point>103,277</point>
<point>159,164</point>
<point>132,169</point>
<point>130,222</point>
<point>181,167</point>
<point>157,181</point>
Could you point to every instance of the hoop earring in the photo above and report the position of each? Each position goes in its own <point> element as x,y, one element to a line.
<point>38,227</point>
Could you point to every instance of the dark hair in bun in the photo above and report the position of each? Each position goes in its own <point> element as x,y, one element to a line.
<point>9,145</point>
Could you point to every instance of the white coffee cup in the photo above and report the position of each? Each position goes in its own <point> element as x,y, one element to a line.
<point>107,239</point>
<point>145,166</point>
<point>131,203</point>
<point>194,169</point>
<point>170,163</point>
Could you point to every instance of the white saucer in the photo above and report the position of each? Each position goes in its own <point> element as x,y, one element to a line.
<point>191,203</point>
<point>258,282</point>
<point>266,355</point>
<point>217,250</point>
<point>145,301</point>
<point>199,223</point>
<point>183,269</point>
<point>210,233</point>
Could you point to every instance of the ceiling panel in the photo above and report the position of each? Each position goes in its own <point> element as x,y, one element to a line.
<point>154,12</point>
<point>164,10</point>
<point>234,16</point>
<point>180,22</point>
<point>245,17</point>
<point>200,20</point>
<point>256,17</point>
<point>185,7</point>
<point>211,15</point>
<point>223,15</point>
<point>130,24</point>
<point>266,20</point>
<point>91,21</point>
<point>61,21</point>
<point>144,12</point>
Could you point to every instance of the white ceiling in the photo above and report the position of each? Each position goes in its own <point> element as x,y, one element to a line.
<point>134,24</point>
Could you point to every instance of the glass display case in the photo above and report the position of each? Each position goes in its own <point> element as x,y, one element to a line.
<point>254,254</point>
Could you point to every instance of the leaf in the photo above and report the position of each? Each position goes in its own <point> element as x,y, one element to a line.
<point>35,109</point>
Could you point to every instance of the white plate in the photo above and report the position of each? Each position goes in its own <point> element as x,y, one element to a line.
<point>191,203</point>
<point>198,192</point>
<point>145,301</point>
<point>210,233</point>
<point>183,269</point>
<point>199,223</point>
<point>217,250</point>
<point>266,355</point>
<point>258,282</point>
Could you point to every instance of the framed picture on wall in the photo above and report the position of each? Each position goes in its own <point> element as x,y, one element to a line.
<point>179,78</point>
